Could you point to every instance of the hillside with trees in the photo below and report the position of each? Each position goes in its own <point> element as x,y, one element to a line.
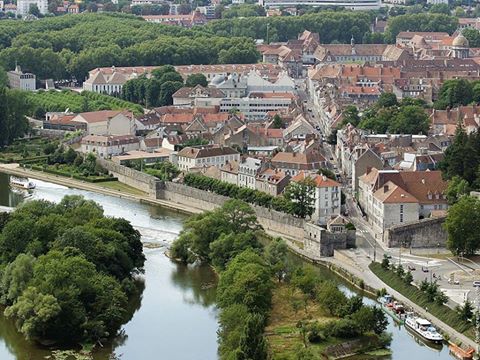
<point>42,102</point>
<point>66,270</point>
<point>70,45</point>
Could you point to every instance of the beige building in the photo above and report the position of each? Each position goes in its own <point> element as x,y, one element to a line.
<point>107,122</point>
<point>327,196</point>
<point>20,80</point>
<point>229,172</point>
<point>391,197</point>
<point>108,146</point>
<point>272,181</point>
<point>204,156</point>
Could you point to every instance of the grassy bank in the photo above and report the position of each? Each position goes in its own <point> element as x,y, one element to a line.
<point>442,312</point>
<point>289,306</point>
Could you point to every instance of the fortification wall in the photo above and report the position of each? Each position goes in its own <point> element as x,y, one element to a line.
<point>131,177</point>
<point>426,233</point>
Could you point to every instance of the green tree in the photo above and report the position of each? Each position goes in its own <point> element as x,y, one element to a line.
<point>306,280</point>
<point>277,122</point>
<point>331,298</point>
<point>276,256</point>
<point>167,89</point>
<point>33,313</point>
<point>196,79</point>
<point>246,281</point>
<point>13,123</point>
<point>232,321</point>
<point>15,278</point>
<point>463,227</point>
<point>473,37</point>
<point>466,311</point>
<point>301,195</point>
<point>387,100</point>
<point>350,116</point>
<point>457,187</point>
<point>453,93</point>
<point>252,343</point>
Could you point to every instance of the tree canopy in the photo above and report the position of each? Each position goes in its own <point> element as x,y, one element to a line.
<point>66,270</point>
<point>13,108</point>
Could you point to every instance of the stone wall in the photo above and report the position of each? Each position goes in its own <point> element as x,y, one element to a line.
<point>273,221</point>
<point>131,177</point>
<point>319,241</point>
<point>426,233</point>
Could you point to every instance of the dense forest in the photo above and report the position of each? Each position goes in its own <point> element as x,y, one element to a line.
<point>70,46</point>
<point>66,270</point>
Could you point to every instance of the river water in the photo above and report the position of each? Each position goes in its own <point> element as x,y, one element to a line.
<point>175,317</point>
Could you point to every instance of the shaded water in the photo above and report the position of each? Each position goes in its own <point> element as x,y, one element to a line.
<point>175,316</point>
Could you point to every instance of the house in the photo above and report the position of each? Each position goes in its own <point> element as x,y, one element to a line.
<point>194,19</point>
<point>107,122</point>
<point>196,157</point>
<point>347,53</point>
<point>327,196</point>
<point>248,170</point>
<point>392,197</point>
<point>198,96</point>
<point>106,146</point>
<point>367,160</point>
<point>20,80</point>
<point>229,172</point>
<point>299,129</point>
<point>148,158</point>
<point>23,6</point>
<point>272,181</point>
<point>293,163</point>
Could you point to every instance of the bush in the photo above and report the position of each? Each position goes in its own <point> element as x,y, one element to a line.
<point>343,328</point>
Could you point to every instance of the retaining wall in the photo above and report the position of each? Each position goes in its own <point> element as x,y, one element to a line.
<point>131,177</point>
<point>426,233</point>
<point>271,220</point>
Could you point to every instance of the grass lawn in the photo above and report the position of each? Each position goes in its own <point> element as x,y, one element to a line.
<point>282,333</point>
<point>117,185</point>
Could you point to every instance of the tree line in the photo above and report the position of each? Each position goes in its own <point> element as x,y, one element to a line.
<point>229,239</point>
<point>457,92</point>
<point>298,200</point>
<point>66,271</point>
<point>390,115</point>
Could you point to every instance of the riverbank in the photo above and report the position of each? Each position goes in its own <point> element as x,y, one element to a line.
<point>351,267</point>
<point>16,170</point>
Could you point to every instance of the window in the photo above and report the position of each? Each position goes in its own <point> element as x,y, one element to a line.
<point>401,218</point>
<point>401,208</point>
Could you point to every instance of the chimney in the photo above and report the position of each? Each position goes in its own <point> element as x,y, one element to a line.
<point>369,169</point>
<point>385,188</point>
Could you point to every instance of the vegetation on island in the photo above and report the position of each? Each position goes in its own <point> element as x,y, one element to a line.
<point>252,277</point>
<point>41,102</point>
<point>390,115</point>
<point>298,200</point>
<point>425,294</point>
<point>67,270</point>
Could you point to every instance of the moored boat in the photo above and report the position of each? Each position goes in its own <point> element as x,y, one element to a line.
<point>22,183</point>
<point>424,329</point>
<point>393,308</point>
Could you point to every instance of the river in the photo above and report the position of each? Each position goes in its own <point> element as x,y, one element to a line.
<point>175,317</point>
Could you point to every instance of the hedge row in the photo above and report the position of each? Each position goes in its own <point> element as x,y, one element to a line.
<point>233,191</point>
<point>74,176</point>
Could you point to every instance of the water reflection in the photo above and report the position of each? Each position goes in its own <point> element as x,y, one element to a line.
<point>200,279</point>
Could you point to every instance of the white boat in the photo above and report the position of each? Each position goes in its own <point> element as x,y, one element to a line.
<point>22,183</point>
<point>424,329</point>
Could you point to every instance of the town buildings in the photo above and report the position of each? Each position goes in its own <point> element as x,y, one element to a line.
<point>357,5</point>
<point>17,79</point>
<point>23,6</point>
<point>392,197</point>
<point>106,146</point>
<point>106,122</point>
<point>327,196</point>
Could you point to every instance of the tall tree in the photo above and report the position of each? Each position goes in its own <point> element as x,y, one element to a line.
<point>301,194</point>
